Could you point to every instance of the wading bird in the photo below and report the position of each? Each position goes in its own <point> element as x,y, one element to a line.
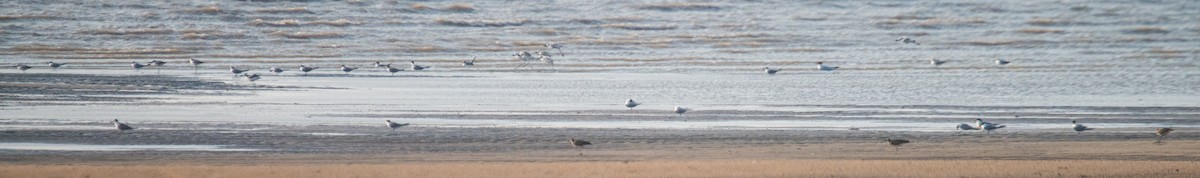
<point>378,65</point>
<point>236,71</point>
<point>348,69</point>
<point>822,67</point>
<point>1162,133</point>
<point>1002,62</point>
<point>156,64</point>
<point>987,126</point>
<point>963,126</point>
<point>121,126</point>
<point>394,125</point>
<point>417,67</point>
<point>1079,128</point>
<point>907,40</point>
<point>579,143</point>
<point>307,69</point>
<point>469,63</point>
<point>276,70</point>
<point>771,71</point>
<point>680,110</point>
<point>936,62</point>
<point>195,65</point>
<point>22,67</point>
<point>393,70</point>
<point>54,66</point>
<point>896,143</point>
<point>630,103</point>
<point>136,66</point>
<point>251,77</point>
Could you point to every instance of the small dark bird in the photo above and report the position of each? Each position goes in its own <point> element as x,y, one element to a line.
<point>121,126</point>
<point>896,143</point>
<point>394,125</point>
<point>771,71</point>
<point>236,71</point>
<point>195,63</point>
<point>1162,133</point>
<point>579,143</point>
<point>378,65</point>
<point>22,67</point>
<point>251,77</point>
<point>156,63</point>
<point>276,70</point>
<point>680,110</point>
<point>348,69</point>
<point>136,66</point>
<point>469,63</point>
<point>393,70</point>
<point>907,40</point>
<point>1079,128</point>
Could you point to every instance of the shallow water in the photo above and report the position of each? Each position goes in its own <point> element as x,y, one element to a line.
<point>87,147</point>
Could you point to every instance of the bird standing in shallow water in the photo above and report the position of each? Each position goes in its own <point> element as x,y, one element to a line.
<point>276,70</point>
<point>22,67</point>
<point>121,126</point>
<point>393,70</point>
<point>378,65</point>
<point>156,64</point>
<point>195,65</point>
<point>251,77</point>
<point>236,71</point>
<point>54,66</point>
<point>136,66</point>
<point>822,67</point>
<point>1162,133</point>
<point>307,69</point>
<point>1002,62</point>
<point>1079,128</point>
<point>771,71</point>
<point>348,69</point>
<point>630,103</point>
<point>987,126</point>
<point>417,67</point>
<point>896,143</point>
<point>680,110</point>
<point>579,143</point>
<point>394,125</point>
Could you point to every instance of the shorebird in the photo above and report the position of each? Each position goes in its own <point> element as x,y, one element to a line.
<point>394,125</point>
<point>556,46</point>
<point>378,65</point>
<point>526,58</point>
<point>1002,61</point>
<point>896,143</point>
<point>120,126</point>
<point>393,70</point>
<point>579,143</point>
<point>156,64</point>
<point>547,60</point>
<point>936,62</point>
<point>306,69</point>
<point>907,40</point>
<point>348,69</point>
<point>195,64</point>
<point>630,103</point>
<point>771,71</point>
<point>963,126</point>
<point>236,71</point>
<point>822,67</point>
<point>251,77</point>
<point>22,67</point>
<point>417,67</point>
<point>987,126</point>
<point>54,66</point>
<point>275,70</point>
<point>469,63</point>
<point>1162,133</point>
<point>680,110</point>
<point>1079,128</point>
<point>136,66</point>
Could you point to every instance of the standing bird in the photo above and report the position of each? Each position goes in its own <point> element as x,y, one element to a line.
<point>579,143</point>
<point>556,46</point>
<point>348,69</point>
<point>896,143</point>
<point>987,126</point>
<point>306,69</point>
<point>963,126</point>
<point>771,71</point>
<point>936,62</point>
<point>394,125</point>
<point>469,63</point>
<point>251,77</point>
<point>236,71</point>
<point>526,59</point>
<point>417,67</point>
<point>680,110</point>
<point>822,67</point>
<point>136,66</point>
<point>54,66</point>
<point>195,64</point>
<point>22,67</point>
<point>546,59</point>
<point>630,103</point>
<point>1079,128</point>
<point>156,64</point>
<point>1162,133</point>
<point>378,65</point>
<point>120,126</point>
<point>393,70</point>
<point>276,70</point>
<point>1002,61</point>
<point>907,40</point>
